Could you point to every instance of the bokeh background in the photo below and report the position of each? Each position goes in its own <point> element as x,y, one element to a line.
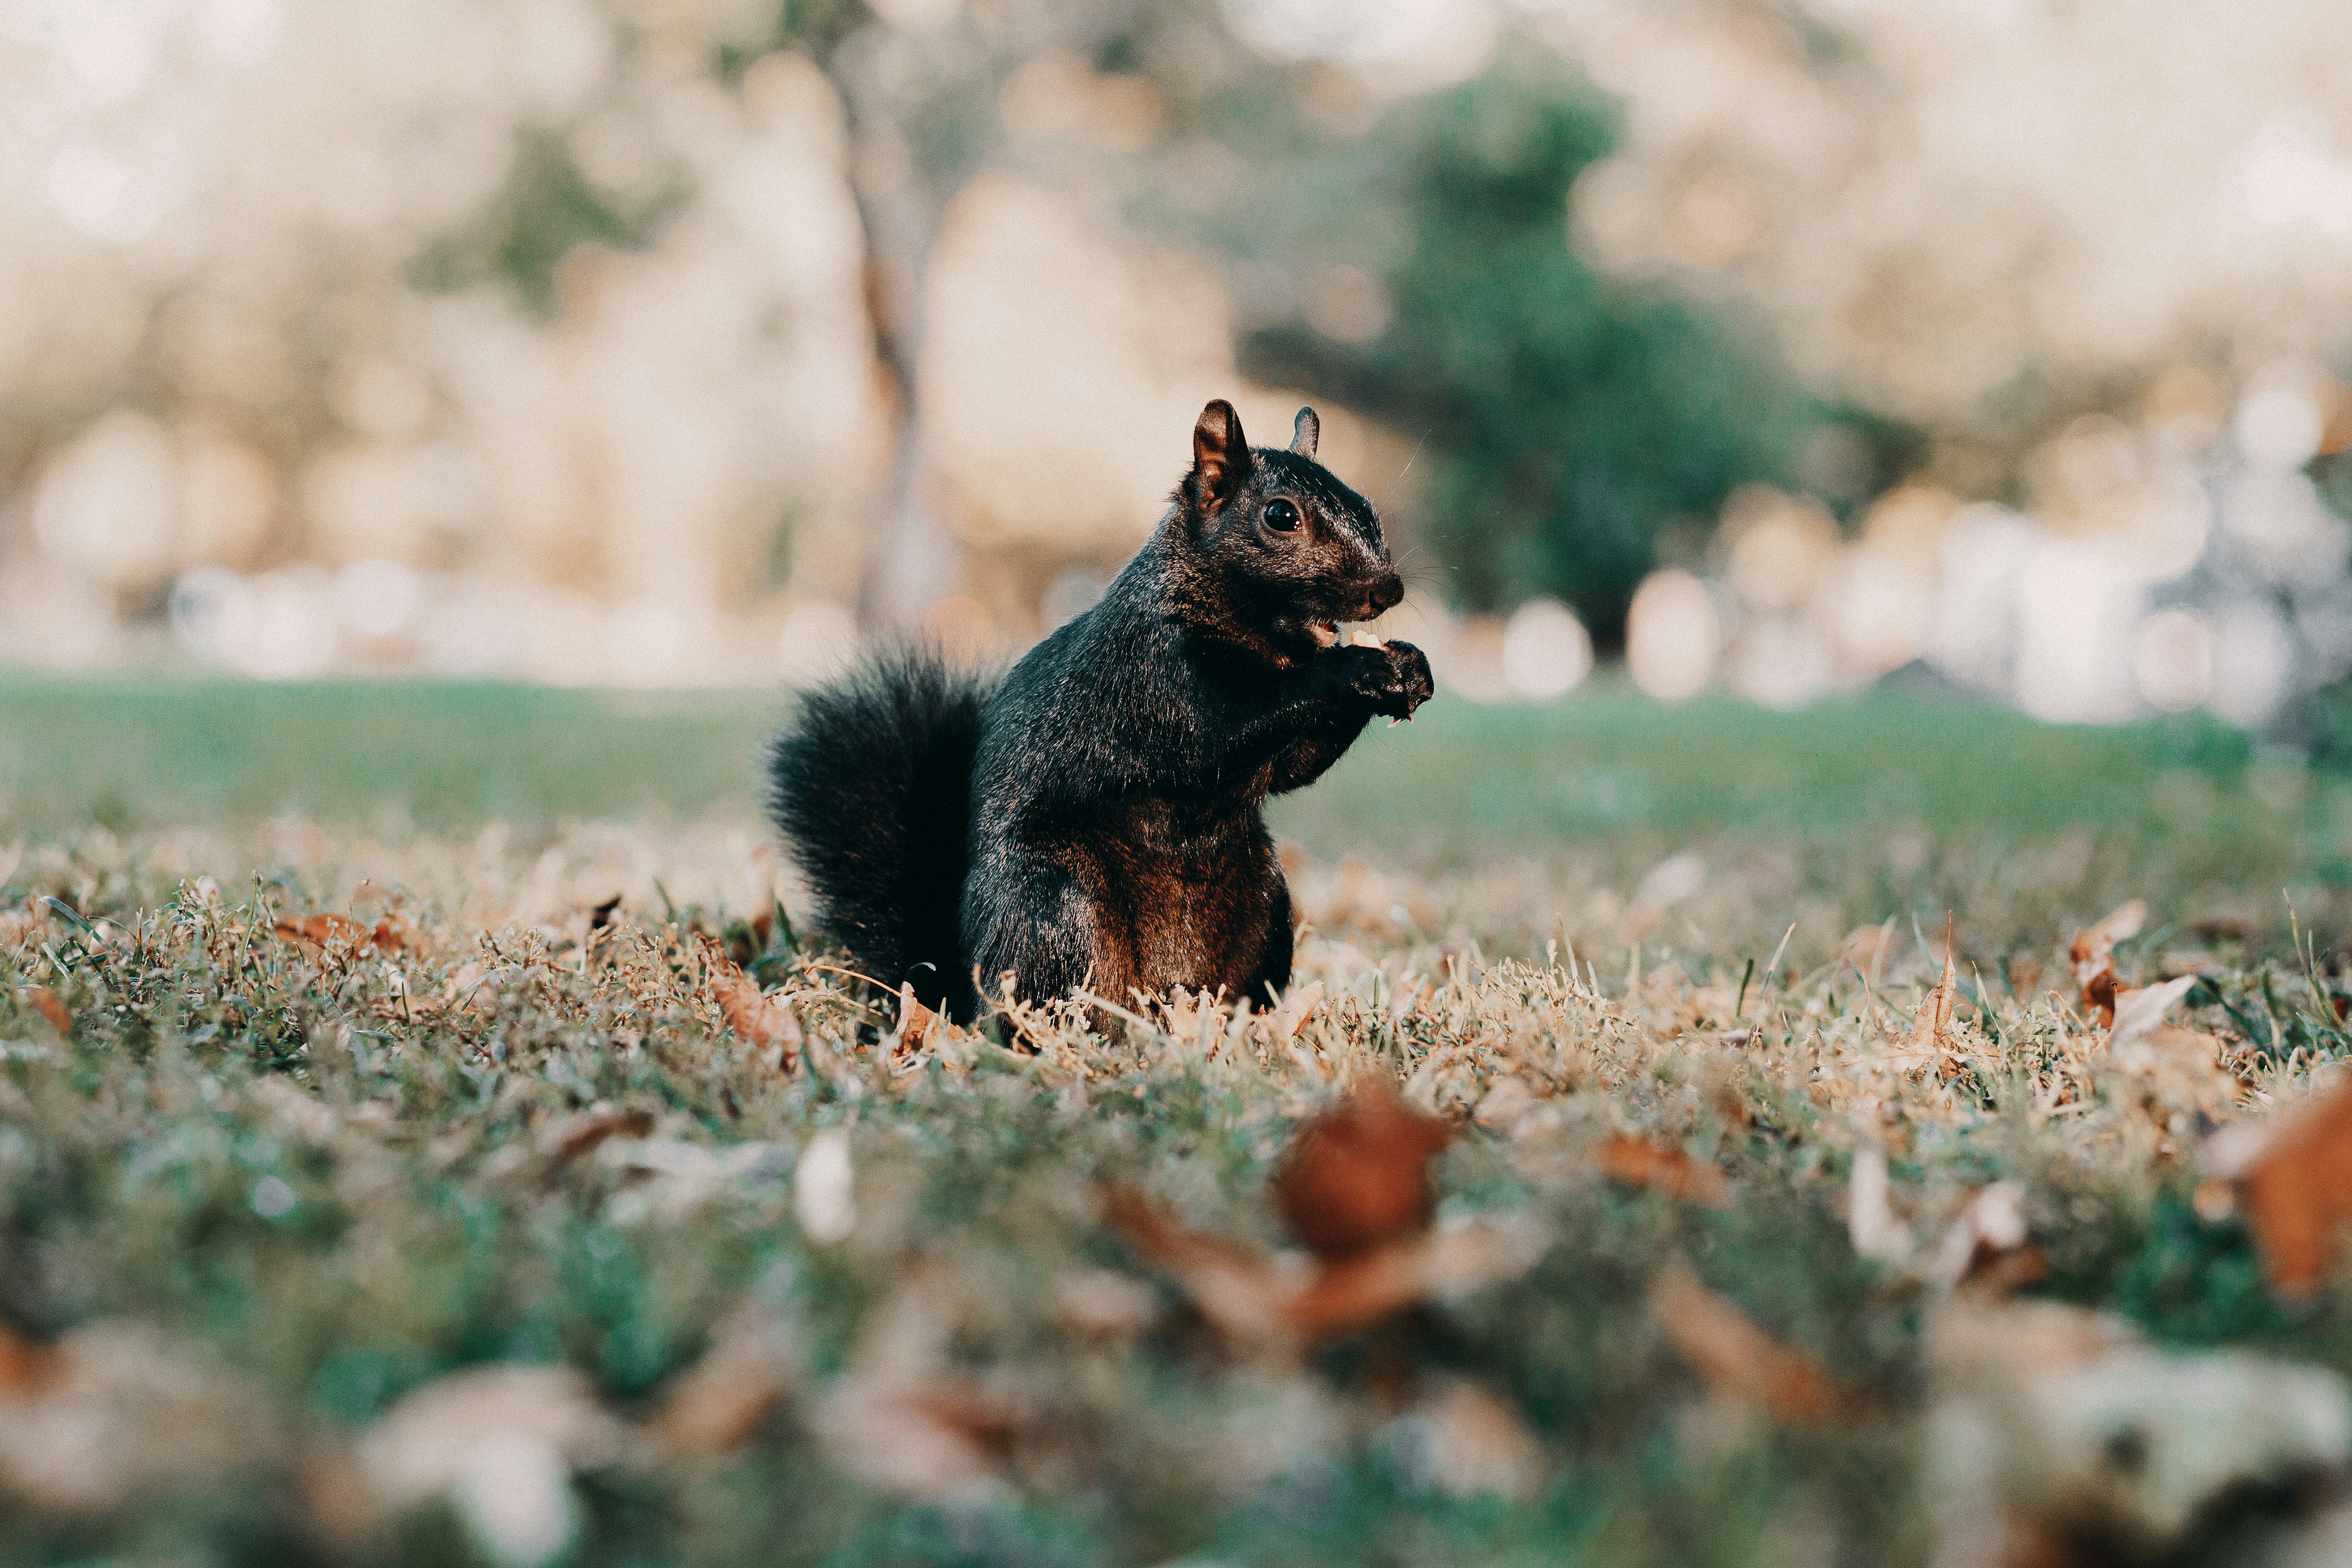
<point>1771,349</point>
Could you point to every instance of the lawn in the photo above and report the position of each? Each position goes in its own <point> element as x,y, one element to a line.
<point>1462,781</point>
<point>496,1221</point>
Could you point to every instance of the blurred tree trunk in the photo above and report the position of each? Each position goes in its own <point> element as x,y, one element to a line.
<point>911,562</point>
<point>910,559</point>
<point>922,107</point>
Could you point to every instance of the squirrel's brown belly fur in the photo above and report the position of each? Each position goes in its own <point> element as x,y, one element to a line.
<point>1093,821</point>
<point>1196,916</point>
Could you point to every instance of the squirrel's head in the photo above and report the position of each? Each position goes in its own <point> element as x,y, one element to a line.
<point>1281,551</point>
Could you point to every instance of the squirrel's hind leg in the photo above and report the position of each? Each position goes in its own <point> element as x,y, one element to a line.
<point>1272,976</point>
<point>1033,921</point>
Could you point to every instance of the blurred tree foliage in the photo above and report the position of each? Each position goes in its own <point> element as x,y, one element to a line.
<point>544,210</point>
<point>923,111</point>
<point>1567,418</point>
<point>1568,421</point>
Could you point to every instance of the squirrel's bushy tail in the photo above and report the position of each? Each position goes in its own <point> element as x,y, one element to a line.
<point>871,784</point>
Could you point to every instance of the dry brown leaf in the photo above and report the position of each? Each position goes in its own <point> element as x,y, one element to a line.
<point>1345,1294</point>
<point>1297,1004</point>
<point>25,1368</point>
<point>323,932</point>
<point>2295,1189</point>
<point>1181,1015</point>
<point>1348,1293</point>
<point>916,1022</point>
<point>1464,1439</point>
<point>2188,1045</point>
<point>1102,1304</point>
<point>44,1001</point>
<point>761,1021</point>
<point>1870,1221</point>
<point>2093,956</point>
<point>1356,1176</point>
<point>1354,1187</point>
<point>501,1443</point>
<point>562,1142</point>
<point>1737,1357</point>
<point>1984,1246</point>
<point>2062,1423</point>
<point>1254,1298</point>
<point>19,929</point>
<point>1931,1027</point>
<point>2141,1012</point>
<point>1661,1168</point>
<point>930,1443</point>
<point>1236,1287</point>
<point>113,1411</point>
<point>723,1401</point>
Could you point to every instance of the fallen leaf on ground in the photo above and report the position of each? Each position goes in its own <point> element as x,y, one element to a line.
<point>316,933</point>
<point>932,1443</point>
<point>2093,956</point>
<point>2294,1174</point>
<point>1181,1015</point>
<point>419,1445</point>
<point>1737,1357</point>
<point>1931,1027</point>
<point>915,1021</point>
<point>2053,1422</point>
<point>1236,1287</point>
<point>501,1444</point>
<point>1870,1221</point>
<point>1661,1168</point>
<point>1297,1004</point>
<point>1255,1298</point>
<point>761,1021</point>
<point>25,1367</point>
<point>20,928</point>
<point>825,1188</point>
<point>564,1140</point>
<point>1344,1294</point>
<point>1464,1440</point>
<point>1102,1304</point>
<point>1356,1176</point>
<point>113,1411</point>
<point>2141,1012</point>
<point>1984,1245</point>
<point>44,1001</point>
<point>721,1402</point>
<point>1513,1109</point>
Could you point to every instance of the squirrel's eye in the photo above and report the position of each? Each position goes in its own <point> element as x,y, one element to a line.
<point>1281,516</point>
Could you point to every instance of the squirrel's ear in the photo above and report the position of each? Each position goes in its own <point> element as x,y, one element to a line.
<point>1305,433</point>
<point>1220,454</point>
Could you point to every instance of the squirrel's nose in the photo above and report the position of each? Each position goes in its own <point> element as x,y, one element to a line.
<point>1388,593</point>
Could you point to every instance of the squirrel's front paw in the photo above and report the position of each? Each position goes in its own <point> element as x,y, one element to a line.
<point>1394,677</point>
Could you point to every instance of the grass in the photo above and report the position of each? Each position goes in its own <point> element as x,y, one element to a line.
<point>328,1180</point>
<point>147,750</point>
<point>1461,782</point>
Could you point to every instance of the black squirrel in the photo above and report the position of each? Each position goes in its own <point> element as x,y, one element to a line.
<point>1093,818</point>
